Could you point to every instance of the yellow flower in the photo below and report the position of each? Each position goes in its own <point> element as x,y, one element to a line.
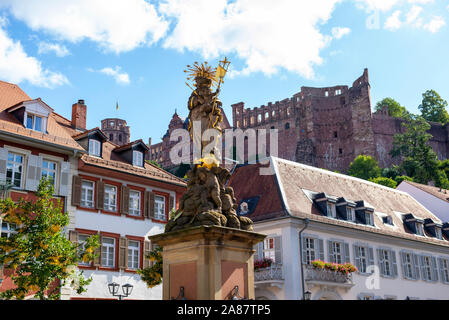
<point>55,228</point>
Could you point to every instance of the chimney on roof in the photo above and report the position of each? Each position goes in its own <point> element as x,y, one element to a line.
<point>79,112</point>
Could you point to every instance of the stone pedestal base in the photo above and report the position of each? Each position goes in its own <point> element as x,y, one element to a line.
<point>208,262</point>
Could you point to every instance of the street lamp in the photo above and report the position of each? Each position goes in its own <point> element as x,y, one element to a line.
<point>307,295</point>
<point>126,288</point>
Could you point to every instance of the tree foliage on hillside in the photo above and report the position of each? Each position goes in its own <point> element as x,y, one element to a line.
<point>433,107</point>
<point>394,107</point>
<point>364,167</point>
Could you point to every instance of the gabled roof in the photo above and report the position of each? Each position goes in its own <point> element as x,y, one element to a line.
<point>58,135</point>
<point>84,134</point>
<point>440,193</point>
<point>285,194</point>
<point>31,101</point>
<point>130,145</point>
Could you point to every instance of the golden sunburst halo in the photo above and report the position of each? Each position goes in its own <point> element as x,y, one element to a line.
<point>202,70</point>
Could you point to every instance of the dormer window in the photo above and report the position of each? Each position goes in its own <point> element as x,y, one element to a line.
<point>438,233</point>
<point>419,229</point>
<point>387,220</point>
<point>414,224</point>
<point>369,218</point>
<point>331,212</point>
<point>350,214</point>
<point>34,122</point>
<point>94,147</point>
<point>137,158</point>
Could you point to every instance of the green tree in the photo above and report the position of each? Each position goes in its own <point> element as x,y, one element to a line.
<point>152,275</point>
<point>399,179</point>
<point>42,257</point>
<point>154,163</point>
<point>433,107</point>
<point>392,172</point>
<point>394,108</point>
<point>384,181</point>
<point>419,161</point>
<point>364,167</point>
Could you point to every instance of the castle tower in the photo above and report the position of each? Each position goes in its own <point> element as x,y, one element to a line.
<point>116,130</point>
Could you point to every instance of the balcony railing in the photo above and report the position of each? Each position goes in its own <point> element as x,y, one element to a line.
<point>274,272</point>
<point>327,276</point>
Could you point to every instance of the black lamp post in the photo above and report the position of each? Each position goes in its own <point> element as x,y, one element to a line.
<point>126,288</point>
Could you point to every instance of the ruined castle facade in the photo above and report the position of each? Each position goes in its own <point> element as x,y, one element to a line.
<point>323,127</point>
<point>116,130</point>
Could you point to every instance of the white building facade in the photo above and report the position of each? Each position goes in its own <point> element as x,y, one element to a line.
<point>399,248</point>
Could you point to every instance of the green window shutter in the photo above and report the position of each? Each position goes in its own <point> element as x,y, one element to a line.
<point>422,267</point>
<point>440,262</point>
<point>321,249</point>
<point>403,262</point>
<point>415,266</point>
<point>394,264</point>
<point>258,255</point>
<point>330,251</point>
<point>347,253</point>
<point>356,257</point>
<point>380,260</point>
<point>371,257</point>
<point>434,269</point>
<point>278,249</point>
<point>304,249</point>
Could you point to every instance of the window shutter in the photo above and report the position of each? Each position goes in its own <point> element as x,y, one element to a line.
<point>259,251</point>
<point>146,251</point>
<point>304,250</point>
<point>421,264</point>
<point>403,262</point>
<point>64,179</point>
<point>146,204</point>
<point>151,205</point>
<point>73,236</point>
<point>124,201</point>
<point>97,260</point>
<point>356,257</point>
<point>76,191</point>
<point>33,176</point>
<point>371,257</point>
<point>171,203</point>
<point>123,253</point>
<point>321,248</point>
<point>330,251</point>
<point>347,254</point>
<point>278,249</point>
<point>100,195</point>
<point>415,266</point>
<point>394,264</point>
<point>440,262</point>
<point>380,260</point>
<point>3,160</point>
<point>434,269</point>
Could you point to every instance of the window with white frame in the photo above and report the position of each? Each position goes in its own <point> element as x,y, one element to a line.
<point>337,92</point>
<point>94,147</point>
<point>387,262</point>
<point>49,171</point>
<point>350,213</point>
<point>331,212</point>
<point>133,254</point>
<point>438,234</point>
<point>362,256</point>
<point>369,219</point>
<point>137,158</point>
<point>14,169</point>
<point>310,250</point>
<point>337,252</point>
<point>269,250</point>
<point>8,229</point>
<point>407,260</point>
<point>87,194</point>
<point>419,229</point>
<point>134,203</point>
<point>426,268</point>
<point>159,207</point>
<point>108,252</point>
<point>34,122</point>
<point>444,268</point>
<point>110,197</point>
<point>81,247</point>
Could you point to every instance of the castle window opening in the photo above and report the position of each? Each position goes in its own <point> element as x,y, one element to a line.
<point>237,124</point>
<point>287,125</point>
<point>335,134</point>
<point>273,113</point>
<point>120,137</point>
<point>337,92</point>
<point>267,115</point>
<point>340,151</point>
<point>111,136</point>
<point>326,93</point>
<point>259,118</point>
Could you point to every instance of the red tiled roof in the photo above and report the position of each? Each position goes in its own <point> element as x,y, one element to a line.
<point>10,95</point>
<point>285,194</point>
<point>129,145</point>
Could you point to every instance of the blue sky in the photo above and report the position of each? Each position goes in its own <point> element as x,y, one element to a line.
<point>135,51</point>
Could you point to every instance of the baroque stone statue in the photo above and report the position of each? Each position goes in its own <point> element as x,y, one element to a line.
<point>208,200</point>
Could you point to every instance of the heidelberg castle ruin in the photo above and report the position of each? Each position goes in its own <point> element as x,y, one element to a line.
<point>323,127</point>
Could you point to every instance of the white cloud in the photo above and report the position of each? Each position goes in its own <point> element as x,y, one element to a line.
<point>59,50</point>
<point>119,77</point>
<point>16,66</point>
<point>266,36</point>
<point>413,14</point>
<point>339,32</point>
<point>118,26</point>
<point>381,5</point>
<point>435,24</point>
<point>393,22</point>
